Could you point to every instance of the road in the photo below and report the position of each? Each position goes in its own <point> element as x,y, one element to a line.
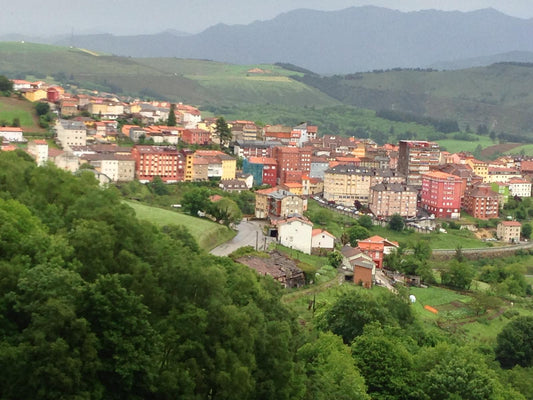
<point>249,233</point>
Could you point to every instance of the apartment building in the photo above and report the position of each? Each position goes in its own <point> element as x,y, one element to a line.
<point>441,194</point>
<point>509,231</point>
<point>344,184</point>
<point>163,161</point>
<point>70,133</point>
<point>481,202</point>
<point>387,199</point>
<point>293,163</point>
<point>519,187</point>
<point>263,169</point>
<point>416,158</point>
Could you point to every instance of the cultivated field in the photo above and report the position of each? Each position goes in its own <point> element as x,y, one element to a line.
<point>207,233</point>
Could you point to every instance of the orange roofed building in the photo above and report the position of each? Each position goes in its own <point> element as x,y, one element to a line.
<point>376,247</point>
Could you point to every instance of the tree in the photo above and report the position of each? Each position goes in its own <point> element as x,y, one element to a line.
<point>171,121</point>
<point>335,259</point>
<point>448,371</point>
<point>330,370</point>
<point>515,343</point>
<point>5,84</point>
<point>16,122</point>
<point>458,275</point>
<point>365,221</point>
<point>526,231</point>
<point>226,211</point>
<point>223,131</point>
<point>353,310</point>
<point>158,186</point>
<point>384,362</point>
<point>396,223</point>
<point>196,200</point>
<point>356,233</point>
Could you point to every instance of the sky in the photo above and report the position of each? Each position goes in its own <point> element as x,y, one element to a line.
<point>123,17</point>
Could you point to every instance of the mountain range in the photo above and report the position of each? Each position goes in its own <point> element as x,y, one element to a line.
<point>338,42</point>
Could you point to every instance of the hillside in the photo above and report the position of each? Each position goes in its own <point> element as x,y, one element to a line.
<point>12,107</point>
<point>332,42</point>
<point>499,96</point>
<point>189,81</point>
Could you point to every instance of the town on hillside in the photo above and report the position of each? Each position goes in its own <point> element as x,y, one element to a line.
<point>285,165</point>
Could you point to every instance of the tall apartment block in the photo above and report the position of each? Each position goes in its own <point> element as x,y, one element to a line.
<point>416,157</point>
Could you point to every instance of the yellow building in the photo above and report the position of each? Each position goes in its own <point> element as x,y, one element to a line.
<point>480,168</point>
<point>344,184</point>
<point>229,167</point>
<point>35,95</point>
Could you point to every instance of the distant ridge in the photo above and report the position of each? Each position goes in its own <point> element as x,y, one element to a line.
<point>335,42</point>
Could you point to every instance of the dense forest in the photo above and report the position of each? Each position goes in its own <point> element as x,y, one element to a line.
<point>97,305</point>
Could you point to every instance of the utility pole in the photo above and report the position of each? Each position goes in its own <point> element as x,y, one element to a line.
<point>256,240</point>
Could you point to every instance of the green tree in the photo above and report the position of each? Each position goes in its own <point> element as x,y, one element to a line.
<point>128,344</point>
<point>335,259</point>
<point>226,211</point>
<point>196,200</point>
<point>5,84</point>
<point>223,131</point>
<point>171,121</point>
<point>357,232</point>
<point>365,221</point>
<point>396,223</point>
<point>330,370</point>
<point>349,314</point>
<point>452,372</point>
<point>515,343</point>
<point>526,231</point>
<point>385,364</point>
<point>458,275</point>
<point>158,187</point>
<point>42,108</point>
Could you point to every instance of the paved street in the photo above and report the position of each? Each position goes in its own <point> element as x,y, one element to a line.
<point>250,233</point>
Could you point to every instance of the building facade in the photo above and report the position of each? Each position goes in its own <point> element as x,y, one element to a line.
<point>415,158</point>
<point>509,231</point>
<point>441,194</point>
<point>481,202</point>
<point>387,199</point>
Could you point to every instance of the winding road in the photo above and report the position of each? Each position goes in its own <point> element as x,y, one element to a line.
<point>250,233</point>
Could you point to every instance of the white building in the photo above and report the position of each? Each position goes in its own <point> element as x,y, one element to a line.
<point>322,239</point>
<point>39,150</point>
<point>12,134</point>
<point>519,187</point>
<point>71,133</point>
<point>295,233</point>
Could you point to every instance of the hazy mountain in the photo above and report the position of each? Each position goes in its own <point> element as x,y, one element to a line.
<point>350,40</point>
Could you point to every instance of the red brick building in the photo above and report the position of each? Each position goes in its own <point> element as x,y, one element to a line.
<point>293,163</point>
<point>163,161</point>
<point>441,194</point>
<point>269,169</point>
<point>481,202</point>
<point>196,136</point>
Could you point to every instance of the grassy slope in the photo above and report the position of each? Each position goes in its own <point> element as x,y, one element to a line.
<point>191,81</point>
<point>208,234</point>
<point>11,108</point>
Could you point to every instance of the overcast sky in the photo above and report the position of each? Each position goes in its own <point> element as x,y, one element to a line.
<point>144,16</point>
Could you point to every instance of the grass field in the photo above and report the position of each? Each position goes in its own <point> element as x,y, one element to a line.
<point>455,146</point>
<point>207,233</point>
<point>12,107</point>
<point>526,150</point>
